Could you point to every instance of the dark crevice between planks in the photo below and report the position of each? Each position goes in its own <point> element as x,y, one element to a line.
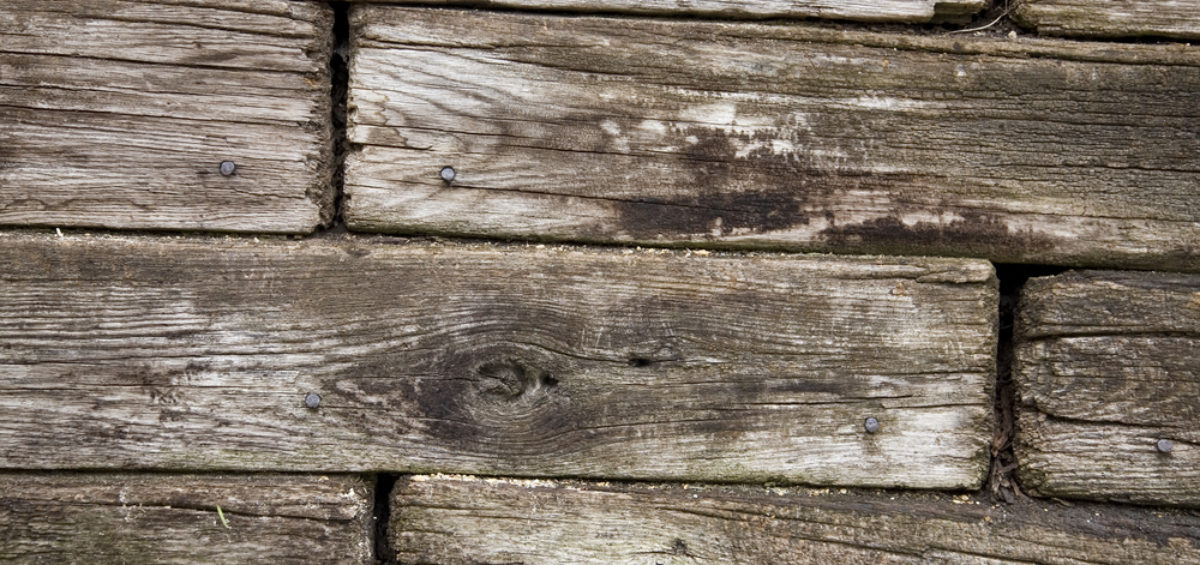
<point>381,516</point>
<point>339,76</point>
<point>1002,483</point>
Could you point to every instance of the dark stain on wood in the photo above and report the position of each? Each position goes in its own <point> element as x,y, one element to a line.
<point>972,234</point>
<point>745,136</point>
<point>760,191</point>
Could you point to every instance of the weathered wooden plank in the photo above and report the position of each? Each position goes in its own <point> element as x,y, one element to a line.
<point>454,520</point>
<point>745,135</point>
<point>1104,18</point>
<point>199,354</point>
<point>1107,366</point>
<point>143,518</point>
<point>119,113</point>
<point>912,11</point>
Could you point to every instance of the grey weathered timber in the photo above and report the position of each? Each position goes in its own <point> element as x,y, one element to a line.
<point>118,114</point>
<point>146,518</point>
<point>1107,18</point>
<point>770,136</point>
<point>1107,365</point>
<point>861,10</point>
<point>453,520</point>
<point>199,354</point>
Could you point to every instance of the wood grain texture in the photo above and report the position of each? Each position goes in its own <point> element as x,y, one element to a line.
<point>1107,18</point>
<point>198,354</point>
<point>118,113</point>
<point>747,135</point>
<point>911,11</point>
<point>143,518</point>
<point>1106,366</point>
<point>453,520</point>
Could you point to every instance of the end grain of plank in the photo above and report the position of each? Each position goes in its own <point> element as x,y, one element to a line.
<point>118,114</point>
<point>909,11</point>
<point>460,520</point>
<point>1178,19</point>
<point>743,135</point>
<point>499,360</point>
<point>1106,367</point>
<point>164,518</point>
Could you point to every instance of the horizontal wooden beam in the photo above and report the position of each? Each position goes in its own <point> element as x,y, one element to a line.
<point>349,356</point>
<point>119,114</point>
<point>912,11</point>
<point>767,136</point>
<point>147,518</point>
<point>1178,19</point>
<point>455,520</point>
<point>1109,380</point>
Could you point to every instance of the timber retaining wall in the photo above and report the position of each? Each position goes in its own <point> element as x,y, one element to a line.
<point>568,281</point>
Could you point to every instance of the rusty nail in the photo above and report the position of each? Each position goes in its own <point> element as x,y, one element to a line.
<point>228,168</point>
<point>872,425</point>
<point>1165,445</point>
<point>447,174</point>
<point>312,400</point>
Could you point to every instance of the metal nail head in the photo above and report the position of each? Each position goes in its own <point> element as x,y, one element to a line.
<point>1165,445</point>
<point>872,425</point>
<point>228,168</point>
<point>448,174</point>
<point>312,400</point>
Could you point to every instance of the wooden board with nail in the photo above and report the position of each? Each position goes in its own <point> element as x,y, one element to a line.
<point>206,115</point>
<point>197,354</point>
<point>724,135</point>
<point>1108,376</point>
<point>467,520</point>
<point>168,518</point>
<point>1177,19</point>
<point>908,11</point>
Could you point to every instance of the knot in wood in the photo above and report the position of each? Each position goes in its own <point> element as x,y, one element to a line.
<point>511,379</point>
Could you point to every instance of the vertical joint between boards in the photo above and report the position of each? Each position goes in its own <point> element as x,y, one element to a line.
<point>1002,482</point>
<point>381,518</point>
<point>339,75</point>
